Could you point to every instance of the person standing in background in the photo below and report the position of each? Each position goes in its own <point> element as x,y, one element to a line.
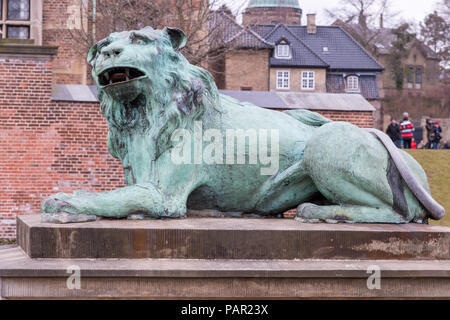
<point>393,131</point>
<point>407,131</point>
<point>429,127</point>
<point>436,135</point>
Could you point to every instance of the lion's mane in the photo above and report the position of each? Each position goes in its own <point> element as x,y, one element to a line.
<point>183,94</point>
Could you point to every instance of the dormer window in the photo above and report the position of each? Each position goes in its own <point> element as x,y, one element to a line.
<point>353,84</point>
<point>283,50</point>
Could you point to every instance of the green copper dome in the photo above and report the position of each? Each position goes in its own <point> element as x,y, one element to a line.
<point>273,3</point>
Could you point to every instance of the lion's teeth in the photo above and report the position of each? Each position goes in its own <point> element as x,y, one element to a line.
<point>110,81</point>
<point>107,75</point>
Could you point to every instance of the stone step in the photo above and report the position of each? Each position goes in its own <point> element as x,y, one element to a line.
<point>22,278</point>
<point>231,238</point>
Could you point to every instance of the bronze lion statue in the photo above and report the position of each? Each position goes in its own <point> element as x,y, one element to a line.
<point>174,134</point>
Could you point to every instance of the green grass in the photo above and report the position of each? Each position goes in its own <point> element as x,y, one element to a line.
<point>436,164</point>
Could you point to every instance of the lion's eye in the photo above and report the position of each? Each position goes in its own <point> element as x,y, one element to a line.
<point>137,39</point>
<point>103,44</point>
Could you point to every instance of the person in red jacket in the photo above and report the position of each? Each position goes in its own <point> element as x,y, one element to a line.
<point>407,131</point>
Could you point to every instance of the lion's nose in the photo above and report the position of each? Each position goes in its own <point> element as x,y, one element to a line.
<point>112,52</point>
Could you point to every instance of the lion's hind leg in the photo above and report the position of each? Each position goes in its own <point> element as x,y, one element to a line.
<point>354,172</point>
<point>285,190</point>
<point>308,212</point>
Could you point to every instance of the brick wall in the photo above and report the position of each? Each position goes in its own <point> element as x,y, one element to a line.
<point>61,22</point>
<point>269,15</point>
<point>247,68</point>
<point>363,119</point>
<point>47,146</point>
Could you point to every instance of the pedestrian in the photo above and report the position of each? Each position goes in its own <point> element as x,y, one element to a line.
<point>446,145</point>
<point>436,135</point>
<point>407,131</point>
<point>393,131</point>
<point>429,127</point>
<point>421,145</point>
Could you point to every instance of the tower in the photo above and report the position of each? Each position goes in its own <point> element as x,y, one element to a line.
<point>271,12</point>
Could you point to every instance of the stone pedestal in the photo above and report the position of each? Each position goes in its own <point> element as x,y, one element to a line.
<point>202,258</point>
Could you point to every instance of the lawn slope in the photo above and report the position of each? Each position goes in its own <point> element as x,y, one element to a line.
<point>436,164</point>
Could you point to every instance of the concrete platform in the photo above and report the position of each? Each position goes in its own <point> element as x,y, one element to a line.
<point>24,278</point>
<point>224,258</point>
<point>231,238</point>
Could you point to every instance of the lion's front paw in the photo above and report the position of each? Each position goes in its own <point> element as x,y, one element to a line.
<point>58,203</point>
<point>60,208</point>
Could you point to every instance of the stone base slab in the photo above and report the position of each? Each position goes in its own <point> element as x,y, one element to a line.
<point>230,238</point>
<point>24,278</point>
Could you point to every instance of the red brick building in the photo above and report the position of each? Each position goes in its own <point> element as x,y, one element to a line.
<point>48,23</point>
<point>48,146</point>
<point>51,144</point>
<point>272,11</point>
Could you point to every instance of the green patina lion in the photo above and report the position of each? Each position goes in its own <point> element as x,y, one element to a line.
<point>149,93</point>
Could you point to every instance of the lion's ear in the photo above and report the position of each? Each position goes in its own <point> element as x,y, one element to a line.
<point>92,54</point>
<point>177,37</point>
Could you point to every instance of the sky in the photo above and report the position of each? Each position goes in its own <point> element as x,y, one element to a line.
<point>409,10</point>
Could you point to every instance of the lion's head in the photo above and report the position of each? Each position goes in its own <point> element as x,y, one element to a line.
<point>145,84</point>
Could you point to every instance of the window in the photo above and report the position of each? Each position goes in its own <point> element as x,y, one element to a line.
<point>414,77</point>
<point>18,32</point>
<point>282,79</point>
<point>15,19</point>
<point>410,77</point>
<point>352,84</point>
<point>410,74</point>
<point>308,81</point>
<point>246,88</point>
<point>325,49</point>
<point>283,51</point>
<point>18,10</point>
<point>418,78</point>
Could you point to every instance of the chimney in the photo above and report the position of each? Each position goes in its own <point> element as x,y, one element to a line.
<point>381,21</point>
<point>311,23</point>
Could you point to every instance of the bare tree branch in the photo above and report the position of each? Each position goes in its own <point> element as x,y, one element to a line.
<point>194,17</point>
<point>364,19</point>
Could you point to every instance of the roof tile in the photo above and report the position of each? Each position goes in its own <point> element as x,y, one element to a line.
<point>343,52</point>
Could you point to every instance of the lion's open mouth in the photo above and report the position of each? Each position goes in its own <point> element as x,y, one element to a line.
<point>113,76</point>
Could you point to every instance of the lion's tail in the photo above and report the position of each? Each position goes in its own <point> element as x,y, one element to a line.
<point>308,117</point>
<point>435,209</point>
